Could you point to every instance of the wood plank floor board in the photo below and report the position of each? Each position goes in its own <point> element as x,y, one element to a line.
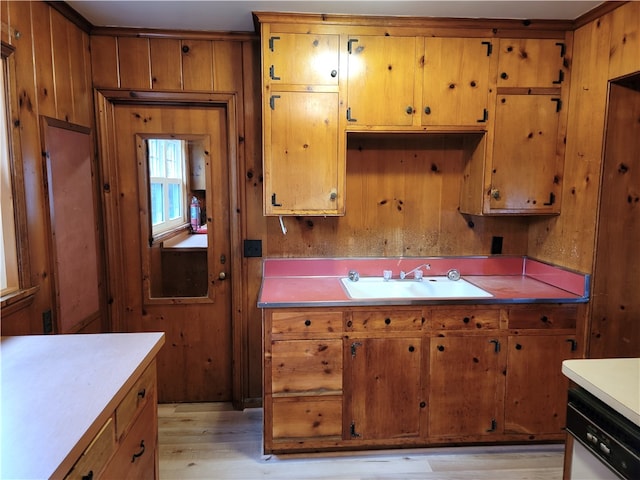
<point>213,441</point>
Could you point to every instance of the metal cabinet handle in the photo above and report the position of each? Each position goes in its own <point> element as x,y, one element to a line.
<point>140,453</point>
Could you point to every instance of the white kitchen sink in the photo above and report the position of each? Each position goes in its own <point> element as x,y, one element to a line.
<point>428,287</point>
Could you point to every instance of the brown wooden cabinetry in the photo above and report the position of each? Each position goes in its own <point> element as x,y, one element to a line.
<point>126,447</point>
<point>456,81</point>
<point>381,80</point>
<point>303,154</point>
<point>383,356</point>
<point>372,376</point>
<point>524,163</point>
<point>323,79</point>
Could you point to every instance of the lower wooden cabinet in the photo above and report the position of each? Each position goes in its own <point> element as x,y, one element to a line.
<point>126,447</point>
<point>370,377</point>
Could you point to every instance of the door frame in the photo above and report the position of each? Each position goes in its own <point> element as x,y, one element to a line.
<point>105,101</point>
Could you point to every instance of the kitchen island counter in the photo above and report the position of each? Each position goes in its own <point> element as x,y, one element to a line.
<point>59,390</point>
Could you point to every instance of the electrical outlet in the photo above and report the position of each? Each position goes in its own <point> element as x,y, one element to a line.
<point>47,322</point>
<point>253,248</point>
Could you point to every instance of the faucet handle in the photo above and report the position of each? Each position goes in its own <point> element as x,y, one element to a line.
<point>387,274</point>
<point>354,276</point>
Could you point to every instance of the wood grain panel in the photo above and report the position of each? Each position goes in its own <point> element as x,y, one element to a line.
<point>625,40</point>
<point>104,61</point>
<point>227,70</point>
<point>62,70</point>
<point>568,239</point>
<point>80,66</point>
<point>135,62</point>
<point>166,73</point>
<point>4,22</point>
<point>197,64</point>
<point>43,59</point>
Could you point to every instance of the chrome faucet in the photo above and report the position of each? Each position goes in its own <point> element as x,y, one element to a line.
<point>417,272</point>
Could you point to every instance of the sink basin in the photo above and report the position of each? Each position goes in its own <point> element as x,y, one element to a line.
<point>429,287</point>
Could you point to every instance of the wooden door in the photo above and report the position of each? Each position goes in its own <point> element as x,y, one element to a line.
<point>526,171</point>
<point>301,165</point>
<point>383,388</point>
<point>536,391</point>
<point>456,81</point>
<point>466,390</point>
<point>615,329</point>
<point>195,364</point>
<point>381,79</point>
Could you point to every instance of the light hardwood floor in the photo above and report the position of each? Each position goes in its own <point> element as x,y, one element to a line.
<point>213,441</point>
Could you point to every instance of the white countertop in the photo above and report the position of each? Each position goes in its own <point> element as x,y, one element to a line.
<point>58,391</point>
<point>615,381</point>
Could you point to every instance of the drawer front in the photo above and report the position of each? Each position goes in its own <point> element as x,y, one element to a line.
<point>307,419</point>
<point>306,366</point>
<point>385,320</point>
<point>95,457</point>
<point>472,319</point>
<point>140,394</point>
<point>544,317</point>
<point>306,322</point>
<point>136,456</point>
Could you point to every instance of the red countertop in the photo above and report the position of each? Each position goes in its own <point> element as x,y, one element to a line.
<point>300,282</point>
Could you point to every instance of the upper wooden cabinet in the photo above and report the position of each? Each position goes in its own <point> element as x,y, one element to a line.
<point>303,155</point>
<point>302,59</point>
<point>531,62</point>
<point>381,80</point>
<point>323,77</point>
<point>456,81</point>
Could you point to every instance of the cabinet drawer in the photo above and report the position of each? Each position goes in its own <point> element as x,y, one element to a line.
<point>96,455</point>
<point>141,393</point>
<point>307,418</point>
<point>376,320</point>
<point>455,319</point>
<point>306,322</point>
<point>306,366</point>
<point>543,317</point>
<point>136,456</point>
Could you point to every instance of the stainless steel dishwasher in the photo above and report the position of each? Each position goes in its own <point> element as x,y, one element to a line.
<point>607,444</point>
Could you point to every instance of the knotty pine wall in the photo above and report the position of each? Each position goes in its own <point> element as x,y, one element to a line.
<point>53,78</point>
<point>605,47</point>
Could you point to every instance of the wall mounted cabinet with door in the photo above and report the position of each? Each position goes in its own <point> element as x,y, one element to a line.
<point>523,167</point>
<point>323,77</point>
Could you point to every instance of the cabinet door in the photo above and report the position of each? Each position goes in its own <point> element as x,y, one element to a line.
<point>301,59</point>
<point>536,394</point>
<point>526,170</point>
<point>466,391</point>
<point>301,162</point>
<point>456,81</point>
<point>531,63</point>
<point>381,80</point>
<point>384,397</point>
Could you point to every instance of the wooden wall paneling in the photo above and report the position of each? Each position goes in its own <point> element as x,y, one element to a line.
<point>166,73</point>
<point>197,64</point>
<point>26,77</point>
<point>227,70</point>
<point>43,59</point>
<point>62,71</point>
<point>5,22</point>
<point>80,80</point>
<point>254,223</point>
<point>625,40</point>
<point>134,62</point>
<point>568,239</point>
<point>104,61</point>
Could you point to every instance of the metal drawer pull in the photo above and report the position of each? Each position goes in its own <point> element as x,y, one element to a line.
<point>140,453</point>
